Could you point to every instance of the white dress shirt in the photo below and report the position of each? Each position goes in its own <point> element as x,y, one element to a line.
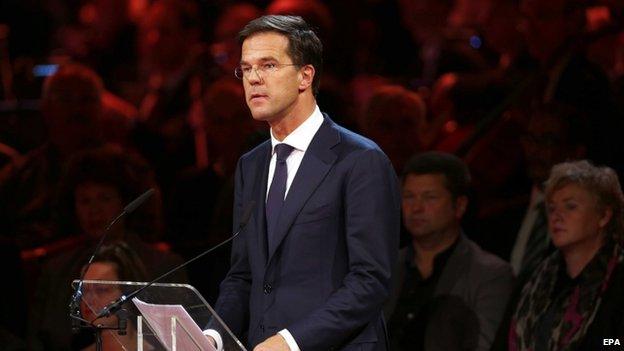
<point>299,139</point>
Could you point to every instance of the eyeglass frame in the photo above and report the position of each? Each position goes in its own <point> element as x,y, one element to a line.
<point>261,69</point>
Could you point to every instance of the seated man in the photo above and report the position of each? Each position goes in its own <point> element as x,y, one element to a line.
<point>448,294</point>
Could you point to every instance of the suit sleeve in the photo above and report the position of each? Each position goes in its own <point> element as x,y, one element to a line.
<point>492,297</point>
<point>233,302</point>
<point>371,229</point>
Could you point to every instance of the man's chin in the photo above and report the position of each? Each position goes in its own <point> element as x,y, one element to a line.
<point>418,232</point>
<point>261,116</point>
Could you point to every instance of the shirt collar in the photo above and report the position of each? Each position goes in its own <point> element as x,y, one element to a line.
<point>301,137</point>
<point>439,261</point>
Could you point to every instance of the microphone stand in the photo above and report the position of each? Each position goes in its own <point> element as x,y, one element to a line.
<point>75,314</point>
<point>117,304</point>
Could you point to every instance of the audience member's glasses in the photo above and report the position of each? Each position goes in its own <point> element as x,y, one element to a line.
<point>262,70</point>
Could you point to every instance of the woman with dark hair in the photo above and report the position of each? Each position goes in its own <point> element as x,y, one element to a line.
<point>94,189</point>
<point>574,300</point>
<point>116,262</point>
<point>99,182</point>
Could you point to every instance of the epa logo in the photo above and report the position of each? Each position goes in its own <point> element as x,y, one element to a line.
<point>611,342</point>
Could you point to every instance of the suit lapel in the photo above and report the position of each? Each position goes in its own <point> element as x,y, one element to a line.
<point>455,267</point>
<point>260,187</point>
<point>316,162</point>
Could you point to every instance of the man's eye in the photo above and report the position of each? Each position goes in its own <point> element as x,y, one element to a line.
<point>268,66</point>
<point>246,69</point>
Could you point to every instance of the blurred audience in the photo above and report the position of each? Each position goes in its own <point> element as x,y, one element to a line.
<point>442,46</point>
<point>395,118</point>
<point>448,293</point>
<point>556,34</point>
<point>573,299</point>
<point>95,188</point>
<point>168,40</point>
<point>225,48</point>
<point>103,36</point>
<point>71,109</point>
<point>555,133</point>
<point>174,66</point>
<point>200,210</point>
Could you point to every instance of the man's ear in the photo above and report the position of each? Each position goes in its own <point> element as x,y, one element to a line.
<point>461,203</point>
<point>306,73</point>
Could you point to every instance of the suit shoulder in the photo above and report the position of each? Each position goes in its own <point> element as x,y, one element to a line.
<point>354,140</point>
<point>257,151</point>
<point>353,145</point>
<point>487,264</point>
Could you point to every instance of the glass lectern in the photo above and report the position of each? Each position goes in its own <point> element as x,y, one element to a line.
<point>165,316</point>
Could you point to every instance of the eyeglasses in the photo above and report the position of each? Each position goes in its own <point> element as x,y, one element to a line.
<point>262,70</point>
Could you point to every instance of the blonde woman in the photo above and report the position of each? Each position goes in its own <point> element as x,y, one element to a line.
<point>575,298</point>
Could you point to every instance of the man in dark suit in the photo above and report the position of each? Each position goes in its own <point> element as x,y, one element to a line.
<point>448,294</point>
<point>311,269</point>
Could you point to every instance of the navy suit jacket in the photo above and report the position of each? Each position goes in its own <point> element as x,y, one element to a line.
<point>329,275</point>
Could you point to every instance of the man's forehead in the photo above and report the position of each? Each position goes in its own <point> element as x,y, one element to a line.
<point>427,181</point>
<point>264,45</point>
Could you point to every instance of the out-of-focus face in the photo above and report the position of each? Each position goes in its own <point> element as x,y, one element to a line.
<point>226,49</point>
<point>96,205</point>
<point>500,28</point>
<point>103,20</point>
<point>574,217</point>
<point>544,26</point>
<point>72,113</point>
<point>97,296</point>
<point>270,97</point>
<point>428,207</point>
<point>163,42</point>
<point>398,135</point>
<point>546,144</point>
<point>424,18</point>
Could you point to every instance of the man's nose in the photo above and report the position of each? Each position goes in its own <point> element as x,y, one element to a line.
<point>417,206</point>
<point>254,76</point>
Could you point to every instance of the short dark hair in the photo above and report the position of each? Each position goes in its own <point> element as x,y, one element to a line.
<point>128,264</point>
<point>304,46</point>
<point>110,165</point>
<point>454,170</point>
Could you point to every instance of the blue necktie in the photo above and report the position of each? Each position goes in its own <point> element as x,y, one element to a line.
<point>277,191</point>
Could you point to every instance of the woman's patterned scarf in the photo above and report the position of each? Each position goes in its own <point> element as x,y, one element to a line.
<point>577,309</point>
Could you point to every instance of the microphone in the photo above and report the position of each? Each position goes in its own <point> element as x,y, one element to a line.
<point>117,304</point>
<point>74,305</point>
<point>138,201</point>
